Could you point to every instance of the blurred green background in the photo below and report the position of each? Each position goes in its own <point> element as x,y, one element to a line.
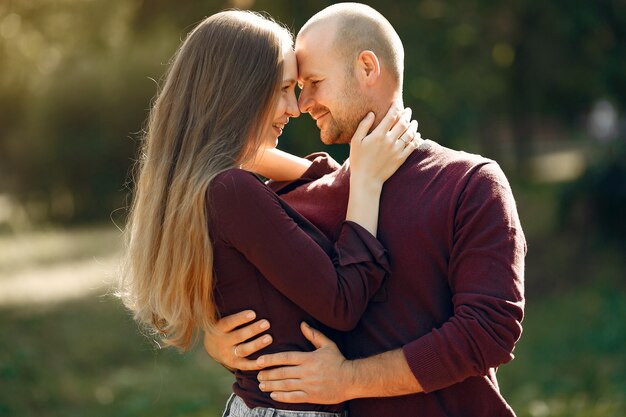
<point>538,86</point>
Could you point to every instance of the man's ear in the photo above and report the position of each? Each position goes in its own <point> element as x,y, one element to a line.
<point>368,67</point>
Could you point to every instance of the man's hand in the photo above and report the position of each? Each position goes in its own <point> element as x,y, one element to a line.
<point>320,377</point>
<point>226,345</point>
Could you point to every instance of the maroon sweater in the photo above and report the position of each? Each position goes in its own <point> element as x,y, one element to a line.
<point>454,299</point>
<point>270,259</point>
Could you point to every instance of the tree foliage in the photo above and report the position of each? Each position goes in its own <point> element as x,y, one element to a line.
<point>77,77</point>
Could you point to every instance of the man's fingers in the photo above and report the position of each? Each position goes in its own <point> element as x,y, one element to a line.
<point>281,385</point>
<point>228,323</point>
<point>315,336</point>
<point>281,359</point>
<point>276,374</point>
<point>290,397</point>
<point>247,365</point>
<point>248,348</point>
<point>245,333</point>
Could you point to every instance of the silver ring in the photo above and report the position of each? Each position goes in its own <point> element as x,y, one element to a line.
<point>235,351</point>
<point>403,141</point>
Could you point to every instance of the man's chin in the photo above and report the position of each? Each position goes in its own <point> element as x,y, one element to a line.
<point>334,139</point>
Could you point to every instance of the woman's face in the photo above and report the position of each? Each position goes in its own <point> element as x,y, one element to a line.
<point>287,103</point>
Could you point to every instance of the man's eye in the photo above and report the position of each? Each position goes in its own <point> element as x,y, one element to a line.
<point>315,82</point>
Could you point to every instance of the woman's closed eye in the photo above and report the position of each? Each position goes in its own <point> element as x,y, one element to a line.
<point>288,86</point>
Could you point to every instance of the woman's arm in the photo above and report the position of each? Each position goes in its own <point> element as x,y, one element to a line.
<point>232,332</point>
<point>373,159</point>
<point>250,218</point>
<point>277,165</point>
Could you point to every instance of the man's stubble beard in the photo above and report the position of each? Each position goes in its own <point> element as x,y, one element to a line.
<point>345,121</point>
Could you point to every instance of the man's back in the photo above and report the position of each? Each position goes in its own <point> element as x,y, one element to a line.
<point>454,299</point>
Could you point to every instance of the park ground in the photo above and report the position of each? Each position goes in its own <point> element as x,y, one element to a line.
<point>68,348</point>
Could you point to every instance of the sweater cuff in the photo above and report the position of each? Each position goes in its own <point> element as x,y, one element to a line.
<point>423,358</point>
<point>322,164</point>
<point>355,245</point>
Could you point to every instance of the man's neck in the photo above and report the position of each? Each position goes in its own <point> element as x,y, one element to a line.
<point>382,106</point>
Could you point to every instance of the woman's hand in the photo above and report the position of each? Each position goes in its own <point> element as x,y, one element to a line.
<point>376,156</point>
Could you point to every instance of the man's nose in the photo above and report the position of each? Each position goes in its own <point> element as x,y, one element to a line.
<point>304,101</point>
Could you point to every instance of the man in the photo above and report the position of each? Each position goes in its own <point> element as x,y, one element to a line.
<point>431,340</point>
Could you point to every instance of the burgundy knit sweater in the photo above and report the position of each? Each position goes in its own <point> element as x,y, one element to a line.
<point>455,297</point>
<point>270,259</point>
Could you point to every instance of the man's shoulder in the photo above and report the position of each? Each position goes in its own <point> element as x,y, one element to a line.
<point>442,160</point>
<point>450,156</point>
<point>454,170</point>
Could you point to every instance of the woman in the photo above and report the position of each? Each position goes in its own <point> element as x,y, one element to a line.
<point>207,238</point>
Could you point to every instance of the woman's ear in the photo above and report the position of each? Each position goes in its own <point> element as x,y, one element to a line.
<point>368,67</point>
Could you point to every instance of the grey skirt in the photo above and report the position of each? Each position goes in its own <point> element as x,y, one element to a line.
<point>236,407</point>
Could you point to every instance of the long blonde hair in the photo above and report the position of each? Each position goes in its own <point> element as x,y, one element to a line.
<point>220,92</point>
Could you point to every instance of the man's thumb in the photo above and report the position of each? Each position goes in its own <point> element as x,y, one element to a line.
<point>314,336</point>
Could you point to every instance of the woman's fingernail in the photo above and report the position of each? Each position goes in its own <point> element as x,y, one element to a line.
<point>264,324</point>
<point>266,339</point>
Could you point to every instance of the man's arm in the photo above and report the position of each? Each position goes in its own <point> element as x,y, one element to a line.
<point>387,374</point>
<point>324,376</point>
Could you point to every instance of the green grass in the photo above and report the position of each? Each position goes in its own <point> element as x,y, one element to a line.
<point>86,357</point>
<point>571,360</point>
<point>46,248</point>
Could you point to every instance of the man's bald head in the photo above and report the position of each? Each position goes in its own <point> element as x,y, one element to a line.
<point>358,27</point>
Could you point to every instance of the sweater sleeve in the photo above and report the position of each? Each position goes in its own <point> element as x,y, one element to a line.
<point>321,164</point>
<point>486,277</point>
<point>334,291</point>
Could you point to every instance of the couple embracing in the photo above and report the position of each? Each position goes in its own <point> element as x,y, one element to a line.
<point>325,292</point>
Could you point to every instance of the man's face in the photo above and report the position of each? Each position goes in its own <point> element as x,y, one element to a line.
<point>329,90</point>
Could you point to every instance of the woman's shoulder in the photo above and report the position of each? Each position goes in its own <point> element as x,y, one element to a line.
<point>237,183</point>
<point>236,177</point>
<point>236,198</point>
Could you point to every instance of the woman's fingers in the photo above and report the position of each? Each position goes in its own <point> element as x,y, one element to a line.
<point>364,127</point>
<point>409,133</point>
<point>401,125</point>
<point>412,144</point>
<point>390,118</point>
